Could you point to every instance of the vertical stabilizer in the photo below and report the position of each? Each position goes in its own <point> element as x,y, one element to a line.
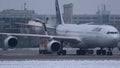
<point>59,19</point>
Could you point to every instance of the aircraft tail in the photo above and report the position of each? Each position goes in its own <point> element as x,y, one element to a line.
<point>59,18</point>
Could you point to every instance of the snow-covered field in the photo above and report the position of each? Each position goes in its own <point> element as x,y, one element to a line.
<point>61,64</point>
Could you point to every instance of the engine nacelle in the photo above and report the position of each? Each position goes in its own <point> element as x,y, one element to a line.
<point>11,42</point>
<point>54,46</point>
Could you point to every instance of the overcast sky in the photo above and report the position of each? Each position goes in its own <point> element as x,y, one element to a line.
<point>47,6</point>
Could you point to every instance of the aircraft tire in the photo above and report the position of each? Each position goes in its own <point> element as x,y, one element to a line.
<point>101,52</point>
<point>44,52</point>
<point>109,53</point>
<point>63,52</point>
<point>80,52</point>
<point>98,52</point>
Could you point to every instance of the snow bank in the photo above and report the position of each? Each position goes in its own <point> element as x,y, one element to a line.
<point>61,64</point>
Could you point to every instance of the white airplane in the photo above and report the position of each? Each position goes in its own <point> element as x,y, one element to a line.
<point>83,36</point>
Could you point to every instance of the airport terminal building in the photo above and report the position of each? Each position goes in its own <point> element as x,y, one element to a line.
<point>10,17</point>
<point>23,16</point>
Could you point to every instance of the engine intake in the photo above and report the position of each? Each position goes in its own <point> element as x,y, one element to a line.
<point>11,42</point>
<point>54,46</point>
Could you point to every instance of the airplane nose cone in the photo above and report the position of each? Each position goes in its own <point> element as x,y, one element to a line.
<point>116,38</point>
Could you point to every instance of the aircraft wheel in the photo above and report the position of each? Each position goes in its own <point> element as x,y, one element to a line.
<point>98,52</point>
<point>89,52</point>
<point>42,51</point>
<point>109,53</point>
<point>80,52</point>
<point>63,52</point>
<point>103,52</point>
<point>58,53</point>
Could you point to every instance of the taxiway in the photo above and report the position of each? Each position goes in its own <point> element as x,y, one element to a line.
<point>32,54</point>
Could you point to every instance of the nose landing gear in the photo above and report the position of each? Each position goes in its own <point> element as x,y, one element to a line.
<point>109,53</point>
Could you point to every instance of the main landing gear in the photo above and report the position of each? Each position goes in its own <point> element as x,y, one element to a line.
<point>62,52</point>
<point>84,52</point>
<point>80,52</point>
<point>44,52</point>
<point>104,52</point>
<point>101,52</point>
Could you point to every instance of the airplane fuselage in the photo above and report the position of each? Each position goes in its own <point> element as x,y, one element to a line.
<point>92,36</point>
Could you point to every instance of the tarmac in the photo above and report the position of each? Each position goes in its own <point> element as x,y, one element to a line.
<point>33,54</point>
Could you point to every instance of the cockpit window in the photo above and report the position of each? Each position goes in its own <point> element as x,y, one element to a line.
<point>112,32</point>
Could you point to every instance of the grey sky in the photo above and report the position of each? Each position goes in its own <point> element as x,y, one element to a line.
<point>47,6</point>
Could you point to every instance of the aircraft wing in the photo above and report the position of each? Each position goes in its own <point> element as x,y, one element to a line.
<point>60,38</point>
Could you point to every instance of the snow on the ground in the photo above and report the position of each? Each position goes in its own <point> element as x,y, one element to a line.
<point>61,64</point>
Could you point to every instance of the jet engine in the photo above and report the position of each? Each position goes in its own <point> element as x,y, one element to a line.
<point>54,46</point>
<point>10,42</point>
